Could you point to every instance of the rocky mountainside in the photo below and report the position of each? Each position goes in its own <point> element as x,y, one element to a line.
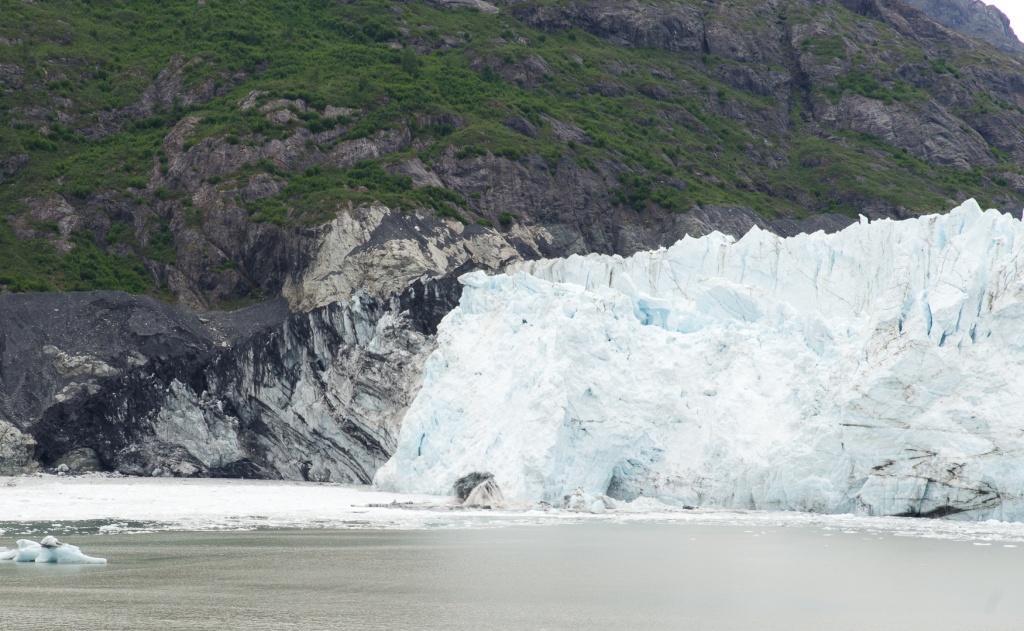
<point>205,153</point>
<point>974,19</point>
<point>306,180</point>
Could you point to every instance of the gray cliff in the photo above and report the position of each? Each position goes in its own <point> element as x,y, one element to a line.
<point>974,19</point>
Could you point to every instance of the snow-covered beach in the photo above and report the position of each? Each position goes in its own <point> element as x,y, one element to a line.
<point>116,504</point>
<point>279,555</point>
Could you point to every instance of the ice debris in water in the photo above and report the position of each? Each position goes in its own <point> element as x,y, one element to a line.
<point>49,550</point>
<point>583,502</point>
<point>873,371</point>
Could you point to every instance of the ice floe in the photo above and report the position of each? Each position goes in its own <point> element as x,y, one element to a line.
<point>86,505</point>
<point>48,550</point>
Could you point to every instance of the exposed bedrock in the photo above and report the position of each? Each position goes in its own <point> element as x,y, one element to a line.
<point>316,397</point>
<point>974,19</point>
<point>16,451</point>
<point>54,346</point>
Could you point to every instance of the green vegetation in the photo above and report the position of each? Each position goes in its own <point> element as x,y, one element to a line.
<point>857,176</point>
<point>637,190</point>
<point>825,47</point>
<point>449,79</point>
<point>865,84</point>
<point>26,266</point>
<point>313,196</point>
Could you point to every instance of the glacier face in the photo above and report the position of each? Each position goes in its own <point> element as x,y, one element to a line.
<point>877,371</point>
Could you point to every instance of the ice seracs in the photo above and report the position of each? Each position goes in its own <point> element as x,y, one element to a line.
<point>875,371</point>
<point>49,550</point>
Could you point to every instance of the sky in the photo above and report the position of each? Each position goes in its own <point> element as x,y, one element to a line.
<point>1014,9</point>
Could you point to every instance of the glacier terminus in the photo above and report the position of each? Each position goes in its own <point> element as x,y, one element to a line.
<point>876,371</point>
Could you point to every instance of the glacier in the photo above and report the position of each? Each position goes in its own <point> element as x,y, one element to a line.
<point>873,371</point>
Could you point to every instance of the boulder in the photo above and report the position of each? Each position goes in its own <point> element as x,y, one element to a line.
<point>485,495</point>
<point>465,485</point>
<point>81,460</point>
<point>16,451</point>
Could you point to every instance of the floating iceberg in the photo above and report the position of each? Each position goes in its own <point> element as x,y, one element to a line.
<point>49,550</point>
<point>875,371</point>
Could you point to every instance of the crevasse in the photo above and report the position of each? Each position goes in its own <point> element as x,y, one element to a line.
<point>877,371</point>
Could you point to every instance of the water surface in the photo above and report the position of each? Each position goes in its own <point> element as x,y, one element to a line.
<point>573,576</point>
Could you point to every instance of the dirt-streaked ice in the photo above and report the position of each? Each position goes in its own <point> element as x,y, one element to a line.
<point>875,371</point>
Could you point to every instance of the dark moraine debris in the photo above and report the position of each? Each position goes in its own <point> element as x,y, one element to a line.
<point>465,485</point>
<point>316,396</point>
<point>81,460</point>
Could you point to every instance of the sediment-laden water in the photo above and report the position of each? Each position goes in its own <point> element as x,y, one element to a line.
<point>571,576</point>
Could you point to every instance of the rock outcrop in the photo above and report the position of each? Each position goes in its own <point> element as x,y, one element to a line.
<point>834,72</point>
<point>974,19</point>
<point>16,451</point>
<point>318,396</point>
<point>485,495</point>
<point>54,346</point>
<point>379,251</point>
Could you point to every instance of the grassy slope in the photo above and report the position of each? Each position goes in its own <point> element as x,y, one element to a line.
<point>350,55</point>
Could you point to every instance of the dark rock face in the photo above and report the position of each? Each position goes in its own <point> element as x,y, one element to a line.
<point>974,19</point>
<point>52,346</point>
<point>465,485</point>
<point>673,27</point>
<point>82,460</point>
<point>10,165</point>
<point>824,223</point>
<point>318,397</point>
<point>426,303</point>
<point>56,349</point>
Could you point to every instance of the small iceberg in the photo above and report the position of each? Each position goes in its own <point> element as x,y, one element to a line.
<point>582,502</point>
<point>49,550</point>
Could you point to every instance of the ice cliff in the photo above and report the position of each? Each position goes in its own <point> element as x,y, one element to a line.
<point>877,370</point>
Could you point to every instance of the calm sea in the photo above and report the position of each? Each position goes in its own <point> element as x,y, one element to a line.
<point>575,576</point>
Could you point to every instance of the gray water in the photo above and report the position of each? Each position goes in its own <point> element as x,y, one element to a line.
<point>581,576</point>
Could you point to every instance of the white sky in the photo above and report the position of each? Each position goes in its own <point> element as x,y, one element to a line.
<point>1014,9</point>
